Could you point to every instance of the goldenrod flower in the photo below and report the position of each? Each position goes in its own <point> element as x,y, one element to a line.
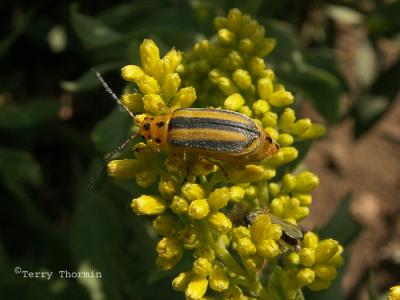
<point>394,293</point>
<point>197,207</point>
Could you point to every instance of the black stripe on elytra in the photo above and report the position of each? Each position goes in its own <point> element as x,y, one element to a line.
<point>249,130</point>
<point>219,146</point>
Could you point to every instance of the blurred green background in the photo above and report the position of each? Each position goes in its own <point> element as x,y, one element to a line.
<point>340,59</point>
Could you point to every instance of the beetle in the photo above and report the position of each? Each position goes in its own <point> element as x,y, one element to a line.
<point>218,134</point>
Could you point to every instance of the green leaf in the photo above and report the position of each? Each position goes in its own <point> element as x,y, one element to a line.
<point>344,14</point>
<point>28,115</point>
<point>112,131</point>
<point>367,111</point>
<point>374,103</point>
<point>342,227</point>
<point>92,32</point>
<point>88,80</point>
<point>365,68</point>
<point>19,167</point>
<point>323,89</point>
<point>287,55</point>
<point>96,238</point>
<point>275,288</point>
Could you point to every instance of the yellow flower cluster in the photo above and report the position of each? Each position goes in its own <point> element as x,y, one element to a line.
<point>394,293</point>
<point>195,207</point>
<point>315,265</point>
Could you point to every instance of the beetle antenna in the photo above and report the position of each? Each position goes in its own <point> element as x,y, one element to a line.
<point>108,158</point>
<point>111,93</point>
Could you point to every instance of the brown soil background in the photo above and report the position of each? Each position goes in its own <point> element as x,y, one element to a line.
<point>369,167</point>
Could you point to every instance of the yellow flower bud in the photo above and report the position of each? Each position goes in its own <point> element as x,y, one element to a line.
<point>165,225</point>
<point>325,250</point>
<point>287,119</point>
<point>268,249</point>
<point>256,66</point>
<point>274,188</point>
<point>220,22</point>
<point>184,97</point>
<point>240,232</point>
<point>305,276</point>
<point>202,267</point>
<point>133,102</point>
<point>288,182</point>
<point>285,139</point>
<point>226,36</point>
<point>219,198</point>
<point>293,259</point>
<point>171,60</point>
<point>215,74</point>
<point>205,251</point>
<point>234,20</point>
<point>260,107</point>
<point>218,280</point>
<point>198,209</point>
<point>169,248</point>
<point>226,86</point>
<point>269,119</point>
<point>305,199</point>
<point>289,154</point>
<point>148,205</point>
<point>181,282</point>
<point>153,104</point>
<point>196,288</point>
<point>146,178</point>
<point>167,186</point>
<point>310,240</point>
<point>307,257</point>
<point>234,102</point>
<point>245,247</point>
<point>132,73</point>
<point>167,263</point>
<point>179,205</point>
<point>337,259</point>
<point>281,98</point>
<point>192,191</point>
<point>170,86</point>
<point>247,173</point>
<point>246,111</point>
<point>220,222</point>
<point>251,191</point>
<point>306,182</point>
<point>325,272</point>
<point>265,47</point>
<point>237,193</point>
<point>148,85</point>
<point>318,285</point>
<point>265,88</point>
<point>125,168</point>
<point>242,79</point>
<point>315,131</point>
<point>190,236</point>
<point>394,293</point>
<point>149,56</point>
<point>246,45</point>
<point>301,126</point>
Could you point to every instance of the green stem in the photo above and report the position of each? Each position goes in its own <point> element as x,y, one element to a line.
<point>221,251</point>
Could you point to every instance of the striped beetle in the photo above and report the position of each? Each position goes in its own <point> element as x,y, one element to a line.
<point>219,134</point>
